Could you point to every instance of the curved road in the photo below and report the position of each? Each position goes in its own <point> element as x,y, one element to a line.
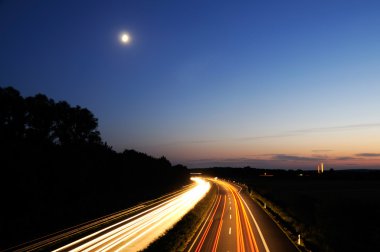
<point>233,223</point>
<point>129,230</point>
<point>236,223</point>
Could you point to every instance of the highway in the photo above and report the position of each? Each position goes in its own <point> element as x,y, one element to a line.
<point>129,230</point>
<point>236,223</point>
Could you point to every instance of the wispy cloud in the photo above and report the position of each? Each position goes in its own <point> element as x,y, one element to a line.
<point>368,154</point>
<point>232,162</point>
<point>250,138</point>
<point>283,134</point>
<point>284,161</point>
<point>316,130</point>
<point>337,128</point>
<point>284,157</point>
<point>345,158</point>
<point>318,151</point>
<point>313,130</point>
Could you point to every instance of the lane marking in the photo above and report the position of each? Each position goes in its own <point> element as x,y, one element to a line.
<point>229,232</point>
<point>242,222</point>
<point>252,240</point>
<point>208,217</point>
<point>214,247</point>
<point>230,216</point>
<point>200,244</point>
<point>257,226</point>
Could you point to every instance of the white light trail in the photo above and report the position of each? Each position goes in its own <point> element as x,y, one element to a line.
<point>138,231</point>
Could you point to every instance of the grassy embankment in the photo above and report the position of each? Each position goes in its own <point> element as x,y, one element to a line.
<point>289,225</point>
<point>178,237</point>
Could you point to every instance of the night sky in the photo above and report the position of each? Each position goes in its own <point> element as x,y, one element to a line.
<point>271,84</point>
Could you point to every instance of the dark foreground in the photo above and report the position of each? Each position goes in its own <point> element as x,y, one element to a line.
<point>56,172</point>
<point>335,211</point>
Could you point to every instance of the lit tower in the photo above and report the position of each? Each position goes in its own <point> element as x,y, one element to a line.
<point>320,167</point>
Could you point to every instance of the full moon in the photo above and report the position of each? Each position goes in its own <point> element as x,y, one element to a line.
<point>125,38</point>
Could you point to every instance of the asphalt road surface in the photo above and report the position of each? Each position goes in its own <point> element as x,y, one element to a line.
<point>236,223</point>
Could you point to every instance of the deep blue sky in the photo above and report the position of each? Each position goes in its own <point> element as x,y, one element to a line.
<point>261,83</point>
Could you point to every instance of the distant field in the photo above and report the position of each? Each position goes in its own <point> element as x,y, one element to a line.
<point>337,214</point>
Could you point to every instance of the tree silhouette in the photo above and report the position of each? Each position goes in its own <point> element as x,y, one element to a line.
<point>75,125</point>
<point>56,171</point>
<point>85,125</point>
<point>12,115</point>
<point>40,119</point>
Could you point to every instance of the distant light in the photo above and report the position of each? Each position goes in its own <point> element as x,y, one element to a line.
<point>125,38</point>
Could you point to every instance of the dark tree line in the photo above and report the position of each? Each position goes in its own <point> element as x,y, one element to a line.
<point>40,120</point>
<point>55,170</point>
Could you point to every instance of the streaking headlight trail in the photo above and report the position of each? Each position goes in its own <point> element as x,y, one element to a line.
<point>138,231</point>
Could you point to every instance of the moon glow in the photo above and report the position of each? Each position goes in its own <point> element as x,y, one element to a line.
<point>125,38</point>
